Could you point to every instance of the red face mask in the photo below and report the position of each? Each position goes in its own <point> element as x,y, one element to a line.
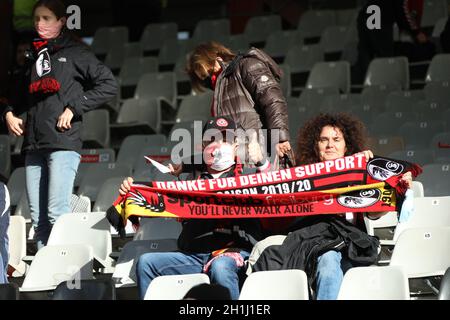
<point>49,30</point>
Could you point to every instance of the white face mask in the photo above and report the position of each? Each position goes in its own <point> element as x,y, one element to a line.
<point>219,156</point>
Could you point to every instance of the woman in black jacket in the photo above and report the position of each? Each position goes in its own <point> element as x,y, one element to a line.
<point>66,80</point>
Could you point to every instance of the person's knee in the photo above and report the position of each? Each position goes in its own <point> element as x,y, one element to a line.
<point>223,264</point>
<point>329,264</point>
<point>144,263</point>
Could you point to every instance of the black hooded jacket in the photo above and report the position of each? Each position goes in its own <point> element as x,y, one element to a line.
<point>85,82</point>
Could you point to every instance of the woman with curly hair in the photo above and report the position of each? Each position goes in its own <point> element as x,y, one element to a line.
<point>328,137</point>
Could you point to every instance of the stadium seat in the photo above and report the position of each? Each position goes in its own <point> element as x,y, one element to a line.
<point>97,173</point>
<point>401,101</point>
<point>158,229</point>
<point>440,145</point>
<point>17,235</point>
<point>117,56</point>
<point>258,29</point>
<point>9,291</point>
<point>385,145</point>
<point>374,283</point>
<point>109,38</point>
<point>125,268</point>
<point>80,203</point>
<point>137,116</point>
<point>333,41</point>
<point>279,41</point>
<point>439,68</point>
<point>132,145</point>
<point>419,156</point>
<point>444,289</point>
<point>173,287</point>
<point>154,35</point>
<point>160,85</point>
<point>208,30</point>
<point>16,185</point>
<point>427,110</point>
<point>428,212</point>
<point>388,71</point>
<point>313,22</point>
<point>330,74</point>
<point>61,263</point>
<point>301,59</point>
<point>142,165</point>
<point>430,255</point>
<point>196,107</point>
<point>417,187</point>
<point>275,285</point>
<point>345,17</point>
<point>340,102</point>
<point>237,42</point>
<point>92,289</point>
<point>286,80</point>
<point>131,71</point>
<point>5,157</point>
<point>107,194</point>
<point>314,98</point>
<point>387,123</point>
<point>97,155</point>
<point>418,134</point>
<point>433,10</point>
<point>438,91</point>
<point>91,228</point>
<point>95,129</point>
<point>170,52</point>
<point>388,220</point>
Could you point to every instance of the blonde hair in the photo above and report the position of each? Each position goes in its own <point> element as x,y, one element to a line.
<point>203,59</point>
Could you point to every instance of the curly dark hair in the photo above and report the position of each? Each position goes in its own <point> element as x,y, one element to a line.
<point>352,128</point>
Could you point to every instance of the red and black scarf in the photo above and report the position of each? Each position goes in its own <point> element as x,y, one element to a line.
<point>42,76</point>
<point>345,184</point>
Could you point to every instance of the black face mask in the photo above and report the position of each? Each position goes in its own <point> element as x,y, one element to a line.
<point>207,83</point>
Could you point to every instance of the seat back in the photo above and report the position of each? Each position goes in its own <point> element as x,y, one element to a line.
<point>173,287</point>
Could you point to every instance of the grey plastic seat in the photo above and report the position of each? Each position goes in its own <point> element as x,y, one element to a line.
<point>429,257</point>
<point>279,42</point>
<point>388,71</point>
<point>61,263</point>
<point>9,291</point>
<point>275,285</point>
<point>330,74</point>
<point>131,145</point>
<point>139,116</point>
<point>97,173</point>
<point>207,30</point>
<point>374,283</point>
<point>158,229</point>
<point>345,17</point>
<point>427,110</point>
<point>444,288</point>
<point>435,179</point>
<point>132,69</point>
<point>142,165</point>
<point>286,80</point>
<point>403,100</point>
<point>333,41</point>
<point>95,129</point>
<point>89,228</point>
<point>97,155</point>
<point>117,56</point>
<point>185,139</point>
<point>93,289</point>
<point>417,134</point>
<point>237,42</point>
<point>5,157</point>
<point>16,185</point>
<point>419,156</point>
<point>125,270</point>
<point>109,38</point>
<point>107,194</point>
<point>160,85</point>
<point>258,29</point>
<point>313,22</point>
<point>174,287</point>
<point>313,98</point>
<point>438,145</point>
<point>341,102</point>
<point>438,91</point>
<point>196,107</point>
<point>385,145</point>
<point>433,10</point>
<point>301,58</point>
<point>439,68</point>
<point>171,51</point>
<point>387,123</point>
<point>375,96</point>
<point>155,34</point>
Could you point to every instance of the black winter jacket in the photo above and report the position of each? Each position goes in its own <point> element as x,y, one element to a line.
<point>208,235</point>
<point>86,83</point>
<point>302,247</point>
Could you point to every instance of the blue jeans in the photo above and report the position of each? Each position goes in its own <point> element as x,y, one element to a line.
<point>4,242</point>
<point>222,271</point>
<point>329,274</point>
<point>49,177</point>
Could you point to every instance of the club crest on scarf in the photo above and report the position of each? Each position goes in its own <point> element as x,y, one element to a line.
<point>139,200</point>
<point>43,66</point>
<point>383,169</point>
<point>359,199</point>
